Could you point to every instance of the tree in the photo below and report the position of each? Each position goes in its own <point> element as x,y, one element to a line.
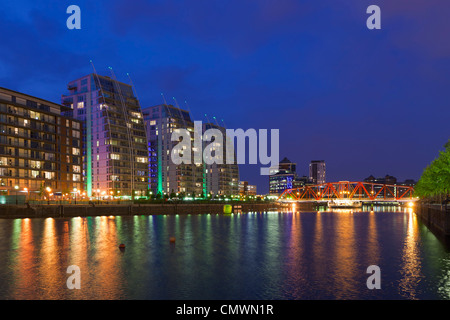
<point>435,179</point>
<point>41,190</point>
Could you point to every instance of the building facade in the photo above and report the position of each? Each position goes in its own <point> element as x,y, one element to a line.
<point>221,179</point>
<point>282,177</point>
<point>40,150</point>
<point>115,153</point>
<point>166,177</point>
<point>246,189</point>
<point>197,179</point>
<point>317,172</point>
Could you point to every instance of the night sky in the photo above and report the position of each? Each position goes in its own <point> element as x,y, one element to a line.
<point>365,101</point>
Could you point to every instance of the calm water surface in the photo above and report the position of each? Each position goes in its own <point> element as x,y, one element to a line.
<point>292,255</point>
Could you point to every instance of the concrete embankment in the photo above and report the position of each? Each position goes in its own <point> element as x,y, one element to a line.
<point>435,217</point>
<point>68,210</point>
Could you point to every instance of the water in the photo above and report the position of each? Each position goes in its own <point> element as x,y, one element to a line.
<point>301,255</point>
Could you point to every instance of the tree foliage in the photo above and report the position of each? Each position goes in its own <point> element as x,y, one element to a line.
<point>435,179</point>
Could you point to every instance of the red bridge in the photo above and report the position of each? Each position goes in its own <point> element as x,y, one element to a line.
<point>346,190</point>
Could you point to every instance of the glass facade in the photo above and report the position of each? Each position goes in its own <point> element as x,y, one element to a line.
<point>191,179</point>
<point>116,155</point>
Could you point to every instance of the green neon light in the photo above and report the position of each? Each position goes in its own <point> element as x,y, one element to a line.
<point>88,148</point>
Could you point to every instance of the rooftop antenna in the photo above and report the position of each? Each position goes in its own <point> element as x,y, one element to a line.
<point>134,89</point>
<point>92,64</point>
<point>131,149</point>
<point>179,112</point>
<point>189,109</point>
<point>165,102</point>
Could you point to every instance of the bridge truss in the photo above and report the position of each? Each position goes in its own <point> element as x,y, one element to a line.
<point>347,190</point>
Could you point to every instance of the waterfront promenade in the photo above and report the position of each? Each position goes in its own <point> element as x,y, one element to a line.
<point>121,209</point>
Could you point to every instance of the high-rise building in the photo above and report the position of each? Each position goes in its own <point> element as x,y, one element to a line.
<point>221,179</point>
<point>317,172</point>
<point>115,153</point>
<point>284,165</point>
<point>282,177</point>
<point>191,179</point>
<point>39,148</point>
<point>381,180</point>
<point>165,175</point>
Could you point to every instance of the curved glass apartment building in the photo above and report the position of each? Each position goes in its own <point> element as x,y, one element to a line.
<point>115,153</point>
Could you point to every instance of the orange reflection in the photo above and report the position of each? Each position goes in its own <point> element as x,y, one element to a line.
<point>50,280</point>
<point>107,254</point>
<point>319,247</point>
<point>373,247</point>
<point>295,256</point>
<point>26,285</point>
<point>345,256</point>
<point>411,266</point>
<point>79,249</point>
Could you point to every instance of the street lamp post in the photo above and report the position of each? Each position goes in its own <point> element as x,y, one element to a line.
<point>48,189</point>
<point>26,190</point>
<point>75,192</point>
<point>17,188</point>
<point>98,196</point>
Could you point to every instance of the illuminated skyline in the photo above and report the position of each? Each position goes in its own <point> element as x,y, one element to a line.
<point>365,101</point>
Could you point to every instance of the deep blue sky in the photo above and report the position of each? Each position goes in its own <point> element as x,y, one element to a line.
<point>366,101</point>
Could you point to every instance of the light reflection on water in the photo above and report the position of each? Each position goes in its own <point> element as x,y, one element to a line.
<point>291,255</point>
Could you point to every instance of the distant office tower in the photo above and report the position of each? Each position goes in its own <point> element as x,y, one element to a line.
<point>221,179</point>
<point>246,189</point>
<point>284,165</point>
<point>283,177</point>
<point>251,190</point>
<point>165,175</point>
<point>243,187</point>
<point>317,171</point>
<point>381,180</point>
<point>39,148</point>
<point>115,153</point>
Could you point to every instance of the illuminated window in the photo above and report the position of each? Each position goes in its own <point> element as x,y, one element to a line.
<point>141,159</point>
<point>35,164</point>
<point>49,175</point>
